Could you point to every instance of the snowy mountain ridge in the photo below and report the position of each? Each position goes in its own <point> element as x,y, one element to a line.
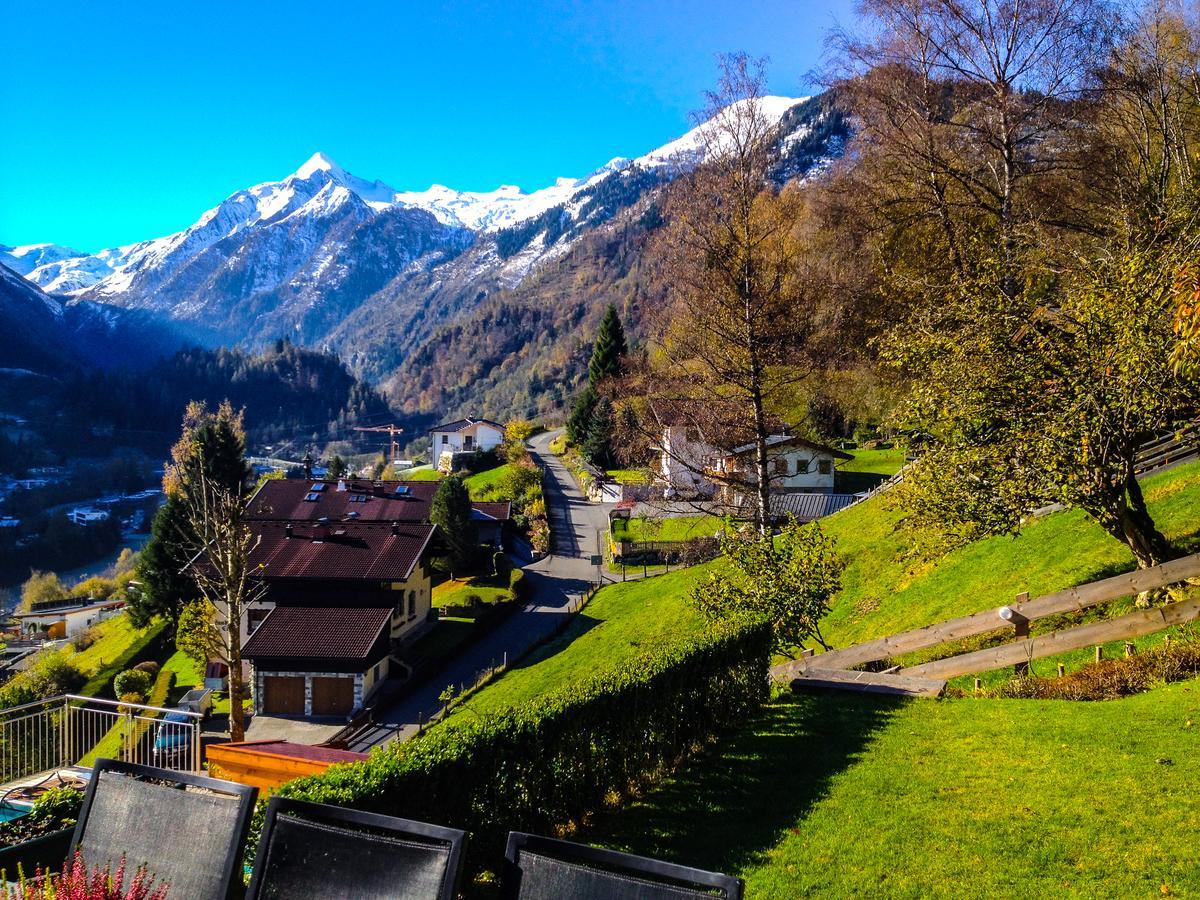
<point>317,189</point>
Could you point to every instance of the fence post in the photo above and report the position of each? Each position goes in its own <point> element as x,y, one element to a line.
<point>1129,649</point>
<point>1099,653</point>
<point>1062,670</point>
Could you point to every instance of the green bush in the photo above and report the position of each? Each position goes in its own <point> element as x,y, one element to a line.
<point>132,681</point>
<point>516,583</point>
<point>553,761</point>
<point>50,676</point>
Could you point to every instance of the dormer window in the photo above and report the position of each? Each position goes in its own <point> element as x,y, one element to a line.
<point>312,497</point>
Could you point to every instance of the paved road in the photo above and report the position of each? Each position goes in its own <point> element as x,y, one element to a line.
<point>553,583</point>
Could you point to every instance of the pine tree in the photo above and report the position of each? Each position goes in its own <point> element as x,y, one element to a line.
<point>216,444</point>
<point>609,349</point>
<point>164,584</point>
<point>451,513</point>
<point>597,445</point>
<point>580,421</point>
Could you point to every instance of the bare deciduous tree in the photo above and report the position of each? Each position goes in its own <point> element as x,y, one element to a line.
<point>740,319</point>
<point>225,576</point>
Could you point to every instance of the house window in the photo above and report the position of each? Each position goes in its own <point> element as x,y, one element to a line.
<point>468,442</point>
<point>312,497</point>
<point>781,466</point>
<point>825,466</point>
<point>412,603</point>
<point>445,439</point>
<point>254,618</point>
<point>802,466</point>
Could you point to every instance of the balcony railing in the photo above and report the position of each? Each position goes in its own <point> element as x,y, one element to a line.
<point>70,730</point>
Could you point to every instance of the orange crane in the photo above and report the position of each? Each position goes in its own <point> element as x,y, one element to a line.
<point>391,430</point>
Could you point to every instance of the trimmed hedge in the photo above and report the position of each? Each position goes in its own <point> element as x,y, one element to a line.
<point>574,751</point>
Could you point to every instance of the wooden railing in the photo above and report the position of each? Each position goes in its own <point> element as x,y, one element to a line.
<point>1070,600</point>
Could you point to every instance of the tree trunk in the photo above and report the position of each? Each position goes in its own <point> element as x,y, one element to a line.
<point>237,720</point>
<point>1138,530</point>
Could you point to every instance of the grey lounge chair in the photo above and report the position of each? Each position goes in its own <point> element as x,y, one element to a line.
<point>189,831</point>
<point>538,868</point>
<point>324,852</point>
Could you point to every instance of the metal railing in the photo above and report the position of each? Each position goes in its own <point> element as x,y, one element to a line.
<point>70,730</point>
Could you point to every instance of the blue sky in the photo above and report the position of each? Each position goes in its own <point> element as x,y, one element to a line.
<point>125,122</point>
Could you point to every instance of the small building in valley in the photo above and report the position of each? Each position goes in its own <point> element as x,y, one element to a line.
<point>67,618</point>
<point>464,436</point>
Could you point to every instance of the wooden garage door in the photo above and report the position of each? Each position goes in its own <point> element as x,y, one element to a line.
<point>332,696</point>
<point>284,695</point>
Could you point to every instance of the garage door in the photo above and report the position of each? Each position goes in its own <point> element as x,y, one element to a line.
<point>284,696</point>
<point>332,696</point>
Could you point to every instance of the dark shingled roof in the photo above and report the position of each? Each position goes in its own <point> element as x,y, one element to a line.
<point>312,632</point>
<point>340,550</point>
<point>806,507</point>
<point>283,500</point>
<point>499,510</point>
<point>460,424</point>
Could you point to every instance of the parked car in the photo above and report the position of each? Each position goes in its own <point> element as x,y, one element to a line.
<point>173,737</point>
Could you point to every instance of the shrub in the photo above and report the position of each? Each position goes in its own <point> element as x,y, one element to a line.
<point>516,583</point>
<point>50,676</point>
<point>150,667</point>
<point>519,430</point>
<point>85,639</point>
<point>77,882</point>
<point>57,805</point>
<point>554,760</point>
<point>1111,679</point>
<point>132,681</point>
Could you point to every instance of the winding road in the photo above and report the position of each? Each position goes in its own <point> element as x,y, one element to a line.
<point>552,584</point>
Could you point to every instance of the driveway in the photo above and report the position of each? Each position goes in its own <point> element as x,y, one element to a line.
<point>552,583</point>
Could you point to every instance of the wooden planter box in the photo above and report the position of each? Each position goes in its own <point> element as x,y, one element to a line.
<point>47,852</point>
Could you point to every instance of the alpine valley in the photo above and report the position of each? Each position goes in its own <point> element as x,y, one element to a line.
<point>444,300</point>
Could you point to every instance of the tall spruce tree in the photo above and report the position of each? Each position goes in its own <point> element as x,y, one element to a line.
<point>451,513</point>
<point>609,349</point>
<point>215,442</point>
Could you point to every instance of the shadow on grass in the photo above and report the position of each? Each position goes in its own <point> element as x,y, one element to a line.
<point>579,626</point>
<point>724,811</point>
<point>857,482</point>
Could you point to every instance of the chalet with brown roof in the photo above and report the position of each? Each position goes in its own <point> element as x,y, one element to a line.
<point>361,500</point>
<point>340,596</point>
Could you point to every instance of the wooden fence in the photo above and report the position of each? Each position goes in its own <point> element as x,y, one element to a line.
<point>1139,622</point>
<point>1024,610</point>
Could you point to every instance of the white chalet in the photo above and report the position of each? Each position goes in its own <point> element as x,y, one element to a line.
<point>691,468</point>
<point>462,436</point>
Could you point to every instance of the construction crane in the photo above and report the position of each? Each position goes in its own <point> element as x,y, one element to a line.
<point>391,430</point>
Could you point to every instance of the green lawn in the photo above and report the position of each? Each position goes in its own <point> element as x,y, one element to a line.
<point>876,462</point>
<point>885,590</point>
<point>620,621</point>
<point>630,476</point>
<point>867,470</point>
<point>421,473</point>
<point>676,529</point>
<point>489,589</point>
<point>486,485</point>
<point>857,796</point>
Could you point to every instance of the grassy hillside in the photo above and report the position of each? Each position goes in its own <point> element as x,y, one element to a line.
<point>855,796</point>
<point>619,622</point>
<point>885,590</point>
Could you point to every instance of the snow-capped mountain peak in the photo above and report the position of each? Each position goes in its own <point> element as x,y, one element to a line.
<point>319,162</point>
<point>321,188</point>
